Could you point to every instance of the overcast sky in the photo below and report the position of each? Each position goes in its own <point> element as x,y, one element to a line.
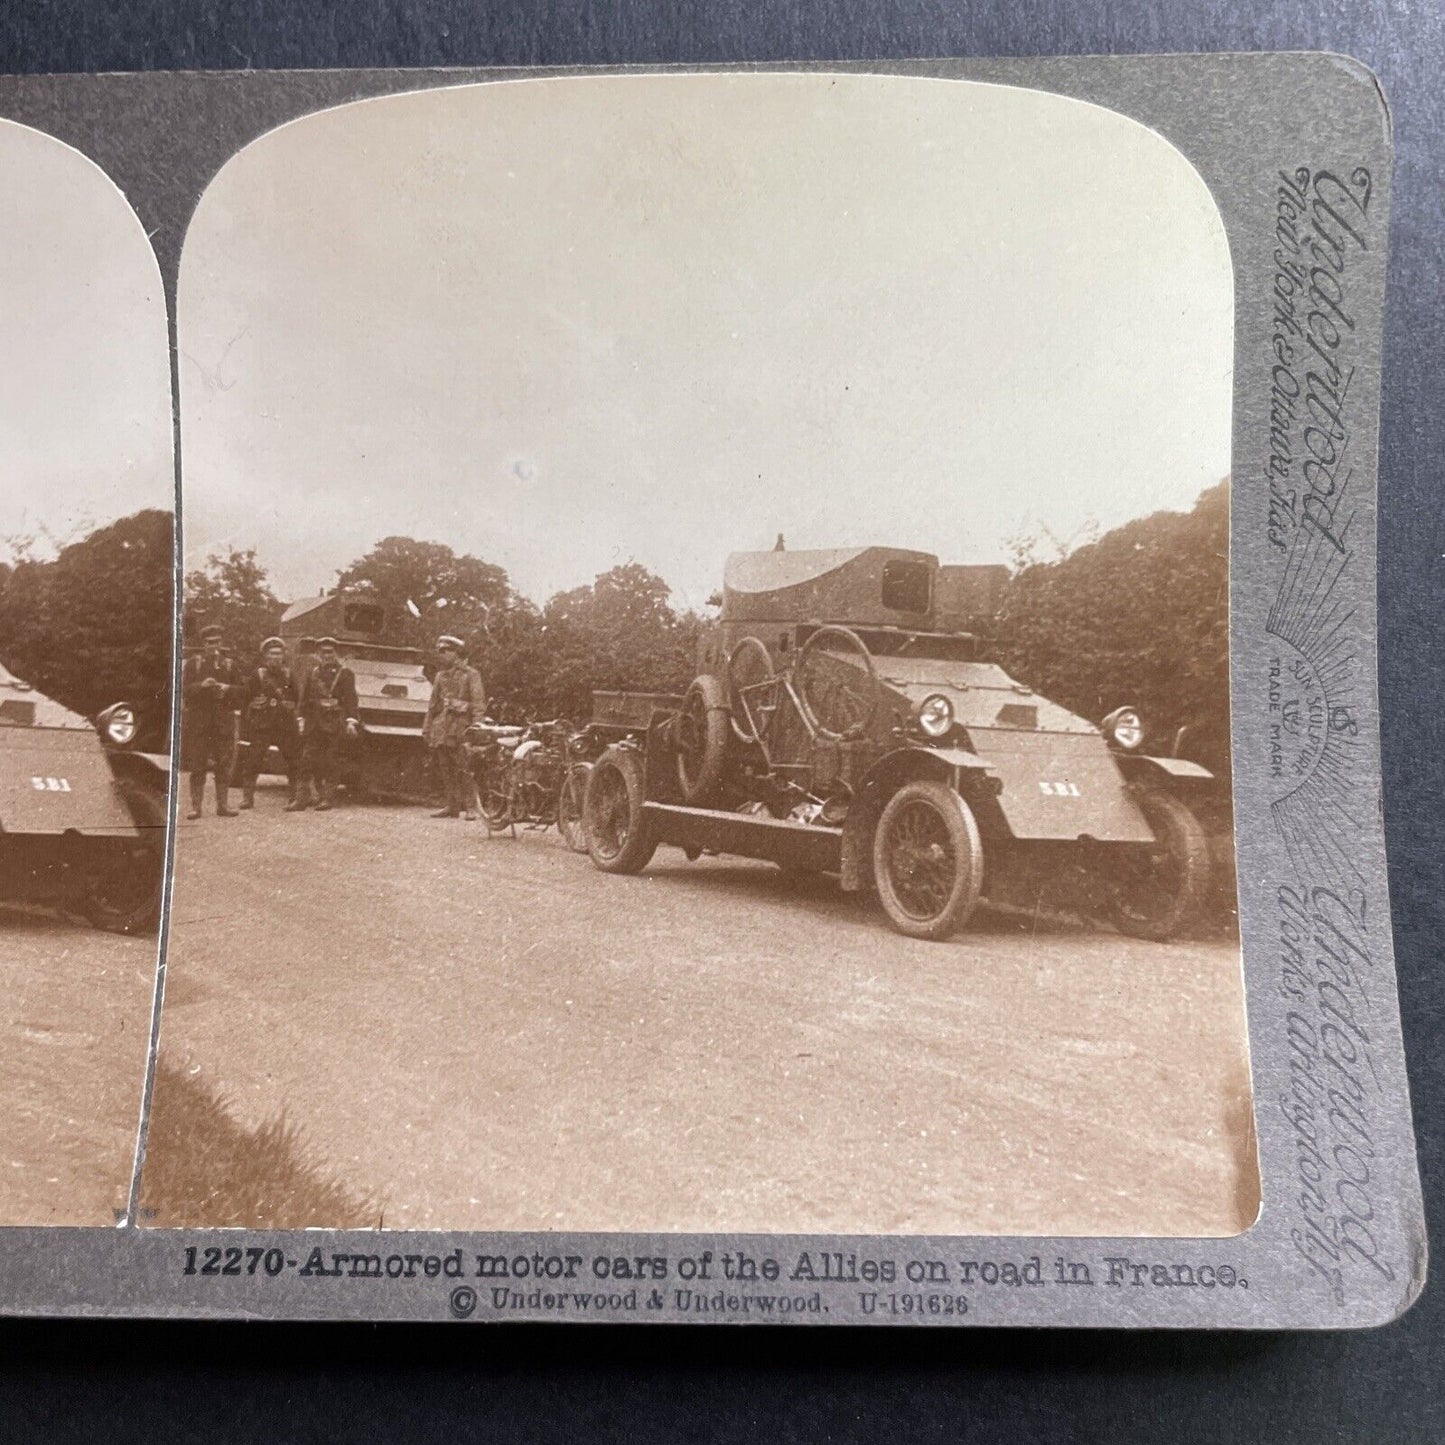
<point>85,386</point>
<point>566,323</point>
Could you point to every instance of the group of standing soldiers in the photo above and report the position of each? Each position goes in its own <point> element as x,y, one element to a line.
<point>305,718</point>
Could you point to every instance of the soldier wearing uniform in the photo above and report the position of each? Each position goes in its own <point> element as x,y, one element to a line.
<point>328,713</point>
<point>268,720</point>
<point>210,693</point>
<point>457,701</point>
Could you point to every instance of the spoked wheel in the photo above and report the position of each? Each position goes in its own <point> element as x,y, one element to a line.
<point>702,739</point>
<point>927,860</point>
<point>752,690</point>
<point>492,796</point>
<point>125,876</point>
<point>570,798</point>
<point>836,683</point>
<point>1157,890</point>
<point>618,838</point>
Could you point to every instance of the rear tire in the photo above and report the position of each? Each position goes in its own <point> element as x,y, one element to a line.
<point>618,838</point>
<point>927,860</point>
<point>125,883</point>
<point>1159,891</point>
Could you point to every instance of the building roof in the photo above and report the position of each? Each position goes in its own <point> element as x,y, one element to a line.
<point>305,605</point>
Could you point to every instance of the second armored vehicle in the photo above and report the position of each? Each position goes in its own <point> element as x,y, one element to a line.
<point>389,757</point>
<point>82,815</point>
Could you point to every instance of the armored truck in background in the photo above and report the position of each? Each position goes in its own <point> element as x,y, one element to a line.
<point>388,758</point>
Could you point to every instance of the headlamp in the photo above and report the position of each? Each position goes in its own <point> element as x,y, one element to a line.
<point>120,726</point>
<point>1124,728</point>
<point>935,715</point>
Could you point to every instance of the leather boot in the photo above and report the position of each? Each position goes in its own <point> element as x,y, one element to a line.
<point>328,795</point>
<point>223,806</point>
<point>198,795</point>
<point>248,795</point>
<point>300,798</point>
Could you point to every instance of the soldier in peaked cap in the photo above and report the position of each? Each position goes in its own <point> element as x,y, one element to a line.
<point>269,703</point>
<point>457,701</point>
<point>210,693</point>
<point>328,713</point>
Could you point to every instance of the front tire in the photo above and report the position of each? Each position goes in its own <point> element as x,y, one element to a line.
<point>1159,890</point>
<point>125,880</point>
<point>618,838</point>
<point>927,860</point>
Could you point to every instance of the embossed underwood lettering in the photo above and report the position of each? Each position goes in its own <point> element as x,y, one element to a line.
<point>1329,1102</point>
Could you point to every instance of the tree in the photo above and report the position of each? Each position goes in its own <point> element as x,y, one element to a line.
<point>93,625</point>
<point>621,632</point>
<point>232,591</point>
<point>1140,616</point>
<point>427,588</point>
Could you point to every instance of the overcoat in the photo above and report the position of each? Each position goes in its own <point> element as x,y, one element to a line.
<point>458,699</point>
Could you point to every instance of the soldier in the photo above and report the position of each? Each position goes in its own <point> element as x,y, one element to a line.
<point>457,701</point>
<point>210,691</point>
<point>268,720</point>
<point>328,712</point>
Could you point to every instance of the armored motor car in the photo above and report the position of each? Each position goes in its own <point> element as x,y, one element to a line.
<point>388,758</point>
<point>846,718</point>
<point>82,813</point>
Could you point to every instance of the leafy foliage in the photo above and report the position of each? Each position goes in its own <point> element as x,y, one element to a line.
<point>1138,617</point>
<point>93,625</point>
<point>428,589</point>
<point>621,632</point>
<point>231,590</point>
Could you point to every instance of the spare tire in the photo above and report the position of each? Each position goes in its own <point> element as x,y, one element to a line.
<point>700,734</point>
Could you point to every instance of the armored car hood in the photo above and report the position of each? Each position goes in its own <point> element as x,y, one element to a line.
<point>982,693</point>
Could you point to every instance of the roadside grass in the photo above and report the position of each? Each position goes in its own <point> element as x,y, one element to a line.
<point>204,1170</point>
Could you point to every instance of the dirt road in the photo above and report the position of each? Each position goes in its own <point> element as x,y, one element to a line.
<point>74,1023</point>
<point>486,1033</point>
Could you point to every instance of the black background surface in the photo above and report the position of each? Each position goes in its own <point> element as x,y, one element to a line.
<point>160,1382</point>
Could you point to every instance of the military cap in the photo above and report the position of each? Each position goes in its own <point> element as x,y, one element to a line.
<point>327,642</point>
<point>448,640</point>
<point>271,642</point>
<point>212,630</point>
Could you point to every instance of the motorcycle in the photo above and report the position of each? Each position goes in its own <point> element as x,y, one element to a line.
<point>533,775</point>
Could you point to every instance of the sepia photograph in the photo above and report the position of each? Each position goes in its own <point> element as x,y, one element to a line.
<point>705,696</point>
<point>86,559</point>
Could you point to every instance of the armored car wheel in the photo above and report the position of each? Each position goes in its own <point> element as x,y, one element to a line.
<point>702,739</point>
<point>125,876</point>
<point>1157,891</point>
<point>618,838</point>
<point>570,823</point>
<point>927,860</point>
